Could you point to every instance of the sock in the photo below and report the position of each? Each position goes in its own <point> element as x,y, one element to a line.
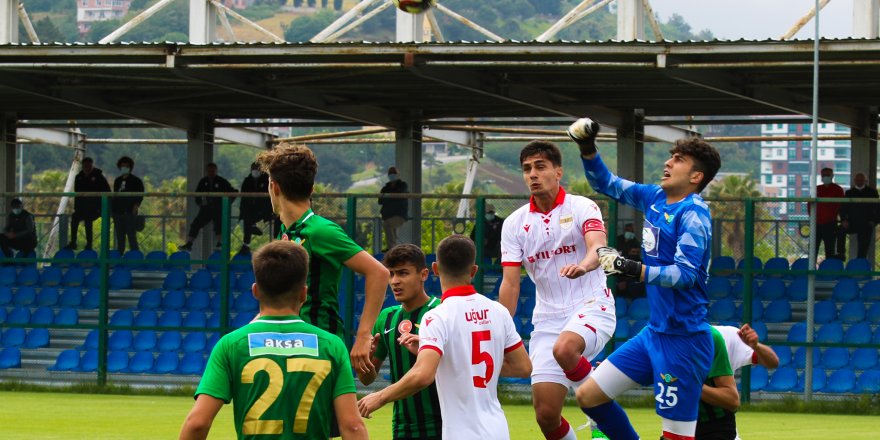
<point>612,420</point>
<point>580,371</point>
<point>673,436</point>
<point>563,432</point>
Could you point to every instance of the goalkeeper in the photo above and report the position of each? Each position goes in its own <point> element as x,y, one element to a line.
<point>673,352</point>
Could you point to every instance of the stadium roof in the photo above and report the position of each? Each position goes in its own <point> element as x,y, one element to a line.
<point>384,83</point>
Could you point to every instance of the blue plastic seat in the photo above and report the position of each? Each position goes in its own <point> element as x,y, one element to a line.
<point>819,380</point>
<point>192,363</point>
<point>834,358</point>
<point>10,358</point>
<point>141,362</point>
<point>19,315</point>
<point>5,296</point>
<point>133,259</point>
<point>29,276</point>
<point>245,302</point>
<point>240,263</point>
<point>846,289</point>
<point>201,280</point>
<point>858,265</point>
<point>212,341</point>
<point>150,300</point>
<point>71,297</point>
<point>776,263</point>
<point>871,291</point>
<point>24,296</point>
<point>175,280</point>
<point>722,310</point>
<point>797,289</point>
<point>155,260</point>
<point>639,309</point>
<point>120,278</point>
<point>761,329</point>
<point>37,338</point>
<point>89,361</point>
<point>198,300</point>
<point>830,264</point>
<point>831,332</point>
<point>87,258</point>
<point>178,260</point>
<point>215,260</point>
<point>48,296</point>
<point>799,360</point>
<point>757,311</point>
<point>122,318</point>
<point>50,277</point>
<point>2,315</point>
<point>20,255</point>
<point>195,319</point>
<point>67,316</point>
<point>738,288</point>
<point>841,381</point>
<point>215,282</point>
<point>620,306</point>
<point>242,319</point>
<point>797,332</point>
<point>825,311</point>
<point>91,341</point>
<point>120,340</point>
<point>637,326</point>
<point>858,334</point>
<point>759,378</point>
<point>114,254</point>
<point>779,310</point>
<point>863,359</point>
<point>193,342</point>
<point>166,362</point>
<point>169,341</point>
<point>68,360</point>
<point>171,318</point>
<point>14,337</point>
<point>174,300</point>
<point>869,382</point>
<point>622,329</point>
<point>246,280</point>
<point>146,318</point>
<point>873,315</point>
<point>63,254</point>
<point>214,321</point>
<point>117,361</point>
<point>43,316</point>
<point>145,340</point>
<point>718,288</point>
<point>783,352</point>
<point>852,312</point>
<point>91,299</point>
<point>756,264</point>
<point>773,288</point>
<point>7,275</point>
<point>528,304</point>
<point>723,265</point>
<point>783,379</point>
<point>93,279</point>
<point>802,263</point>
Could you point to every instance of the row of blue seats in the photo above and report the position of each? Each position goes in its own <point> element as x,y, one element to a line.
<point>141,362</point>
<point>828,358</point>
<point>135,259</point>
<point>845,289</point>
<point>173,318</point>
<point>149,340</point>
<point>834,333</point>
<point>725,266</point>
<point>19,337</point>
<point>844,380</point>
<point>204,279</point>
<point>40,316</point>
<point>120,277</point>
<point>780,310</point>
<point>197,300</point>
<point>74,297</point>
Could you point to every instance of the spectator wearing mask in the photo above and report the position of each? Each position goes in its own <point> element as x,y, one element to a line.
<point>828,231</point>
<point>20,232</point>
<point>255,209</point>
<point>86,209</point>
<point>859,218</point>
<point>491,233</point>
<point>393,210</point>
<point>210,208</point>
<point>125,209</point>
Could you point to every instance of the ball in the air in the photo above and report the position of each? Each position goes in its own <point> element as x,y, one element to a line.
<point>414,6</point>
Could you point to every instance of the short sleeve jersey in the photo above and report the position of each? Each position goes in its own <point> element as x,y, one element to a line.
<point>676,242</point>
<point>329,247</point>
<point>281,375</point>
<point>417,416</point>
<point>544,242</point>
<point>472,333</point>
<point>739,353</point>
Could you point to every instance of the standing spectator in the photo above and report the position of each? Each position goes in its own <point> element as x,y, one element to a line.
<point>826,217</point>
<point>20,232</point>
<point>125,209</point>
<point>393,210</point>
<point>254,209</point>
<point>860,218</point>
<point>210,208</point>
<point>86,208</point>
<point>491,233</point>
<point>630,247</point>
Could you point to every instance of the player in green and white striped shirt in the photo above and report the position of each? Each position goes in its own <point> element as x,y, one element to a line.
<point>395,337</point>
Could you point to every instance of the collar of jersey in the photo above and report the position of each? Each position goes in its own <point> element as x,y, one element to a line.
<point>288,318</point>
<point>297,225</point>
<point>560,197</point>
<point>458,291</point>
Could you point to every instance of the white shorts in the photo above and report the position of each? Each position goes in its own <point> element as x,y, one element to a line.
<point>596,316</point>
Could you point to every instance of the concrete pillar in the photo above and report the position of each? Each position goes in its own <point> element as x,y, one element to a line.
<point>202,22</point>
<point>866,18</point>
<point>8,21</point>
<point>7,153</point>
<point>410,27</point>
<point>199,153</point>
<point>630,20</point>
<point>408,159</point>
<point>863,159</point>
<point>631,160</point>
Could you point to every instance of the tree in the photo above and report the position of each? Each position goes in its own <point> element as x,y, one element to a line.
<point>305,27</point>
<point>47,31</point>
<point>730,214</point>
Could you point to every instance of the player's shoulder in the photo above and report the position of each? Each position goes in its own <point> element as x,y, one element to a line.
<point>390,310</point>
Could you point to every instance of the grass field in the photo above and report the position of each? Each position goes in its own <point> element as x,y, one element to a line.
<point>91,416</point>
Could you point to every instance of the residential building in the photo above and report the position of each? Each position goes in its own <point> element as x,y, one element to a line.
<point>90,11</point>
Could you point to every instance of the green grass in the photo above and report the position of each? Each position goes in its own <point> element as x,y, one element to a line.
<point>48,415</point>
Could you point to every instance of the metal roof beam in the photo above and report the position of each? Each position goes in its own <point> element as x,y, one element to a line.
<point>65,138</point>
<point>245,136</point>
<point>8,21</point>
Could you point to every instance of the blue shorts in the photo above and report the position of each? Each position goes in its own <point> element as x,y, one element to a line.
<point>676,365</point>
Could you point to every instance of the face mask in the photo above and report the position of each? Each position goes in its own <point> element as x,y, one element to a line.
<point>826,179</point>
<point>124,170</point>
<point>255,173</point>
<point>16,211</point>
<point>392,177</point>
<point>490,217</point>
<point>860,186</point>
<point>629,235</point>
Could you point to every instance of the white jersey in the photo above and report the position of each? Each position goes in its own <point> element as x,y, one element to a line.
<point>472,333</point>
<point>544,243</point>
<point>739,352</point>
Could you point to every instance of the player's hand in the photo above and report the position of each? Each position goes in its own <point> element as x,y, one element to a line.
<point>572,271</point>
<point>749,336</point>
<point>612,263</point>
<point>370,403</point>
<point>360,353</point>
<point>584,132</point>
<point>374,343</point>
<point>410,342</point>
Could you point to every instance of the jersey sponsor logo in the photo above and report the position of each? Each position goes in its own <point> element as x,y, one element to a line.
<point>405,326</point>
<point>546,255</point>
<point>389,330</point>
<point>526,227</point>
<point>477,316</point>
<point>566,221</point>
<point>651,239</point>
<point>283,344</point>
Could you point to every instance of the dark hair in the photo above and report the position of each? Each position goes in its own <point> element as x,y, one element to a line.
<point>88,159</point>
<point>280,270</point>
<point>292,167</point>
<point>456,255</point>
<point>826,169</point>
<point>16,202</point>
<point>255,166</point>
<point>547,149</point>
<point>705,156</point>
<point>405,254</point>
<point>211,164</point>
<point>123,160</point>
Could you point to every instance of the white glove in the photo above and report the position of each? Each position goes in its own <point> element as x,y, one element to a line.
<point>584,132</point>
<point>607,257</point>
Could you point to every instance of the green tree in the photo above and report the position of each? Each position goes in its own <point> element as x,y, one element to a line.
<point>47,31</point>
<point>305,27</point>
<point>729,211</point>
<point>45,182</point>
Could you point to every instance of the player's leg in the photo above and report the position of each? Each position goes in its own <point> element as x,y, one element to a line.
<point>584,336</point>
<point>548,399</point>
<point>681,364</point>
<point>549,384</point>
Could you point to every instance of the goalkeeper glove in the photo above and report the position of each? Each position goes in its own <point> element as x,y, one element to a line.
<point>612,263</point>
<point>584,132</point>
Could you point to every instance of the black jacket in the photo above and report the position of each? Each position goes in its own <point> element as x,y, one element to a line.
<point>860,214</point>
<point>127,184</point>
<point>392,207</point>
<point>491,237</point>
<point>23,226</point>
<point>255,207</point>
<point>89,207</point>
<point>214,184</point>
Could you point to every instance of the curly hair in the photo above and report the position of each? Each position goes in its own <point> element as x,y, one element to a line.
<point>292,168</point>
<point>705,156</point>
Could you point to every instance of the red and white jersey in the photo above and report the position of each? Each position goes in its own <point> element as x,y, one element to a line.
<point>544,242</point>
<point>739,353</point>
<point>472,333</point>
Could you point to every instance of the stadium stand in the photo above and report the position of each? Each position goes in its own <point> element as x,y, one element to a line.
<point>67,360</point>
<point>718,288</point>
<point>89,361</point>
<point>50,277</point>
<point>759,378</point>
<point>846,289</point>
<point>67,316</point>
<point>858,333</point>
<point>771,289</point>
<point>841,381</point>
<point>783,379</point>
<point>166,362</point>
<point>10,358</point>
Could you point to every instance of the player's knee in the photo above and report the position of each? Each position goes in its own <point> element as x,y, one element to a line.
<point>547,417</point>
<point>568,349</point>
<point>589,395</point>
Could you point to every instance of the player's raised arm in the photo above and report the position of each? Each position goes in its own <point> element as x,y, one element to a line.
<point>417,378</point>
<point>375,282</point>
<point>351,426</point>
<point>763,355</point>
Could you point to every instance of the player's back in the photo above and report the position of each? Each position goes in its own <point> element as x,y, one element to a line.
<point>282,375</point>
<point>472,333</point>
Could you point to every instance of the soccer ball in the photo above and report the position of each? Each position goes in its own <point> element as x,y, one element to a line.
<point>413,6</point>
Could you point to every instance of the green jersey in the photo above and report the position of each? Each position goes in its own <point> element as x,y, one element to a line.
<point>328,247</point>
<point>417,416</point>
<point>282,376</point>
<point>711,418</point>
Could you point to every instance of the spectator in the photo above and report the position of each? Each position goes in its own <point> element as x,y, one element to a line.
<point>860,218</point>
<point>254,209</point>
<point>86,208</point>
<point>393,210</point>
<point>20,232</point>
<point>210,208</point>
<point>826,217</point>
<point>491,233</point>
<point>631,248</point>
<point>125,209</point>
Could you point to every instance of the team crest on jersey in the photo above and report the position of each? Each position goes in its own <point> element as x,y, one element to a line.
<point>405,326</point>
<point>668,217</point>
<point>283,344</point>
<point>651,239</point>
<point>668,378</point>
<point>566,221</point>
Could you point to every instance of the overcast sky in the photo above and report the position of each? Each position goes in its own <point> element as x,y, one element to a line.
<point>758,19</point>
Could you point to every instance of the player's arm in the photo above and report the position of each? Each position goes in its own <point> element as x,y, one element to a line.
<point>516,363</point>
<point>508,292</point>
<point>723,394</point>
<point>198,421</point>
<point>763,355</point>
<point>593,240</point>
<point>416,379</point>
<point>351,425</point>
<point>375,282</point>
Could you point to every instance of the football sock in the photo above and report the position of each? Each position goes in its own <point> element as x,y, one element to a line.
<point>612,420</point>
<point>563,432</point>
<point>580,371</point>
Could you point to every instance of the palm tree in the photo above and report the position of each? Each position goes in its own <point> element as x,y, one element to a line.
<point>729,211</point>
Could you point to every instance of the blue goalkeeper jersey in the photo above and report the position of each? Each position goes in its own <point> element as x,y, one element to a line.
<point>675,249</point>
